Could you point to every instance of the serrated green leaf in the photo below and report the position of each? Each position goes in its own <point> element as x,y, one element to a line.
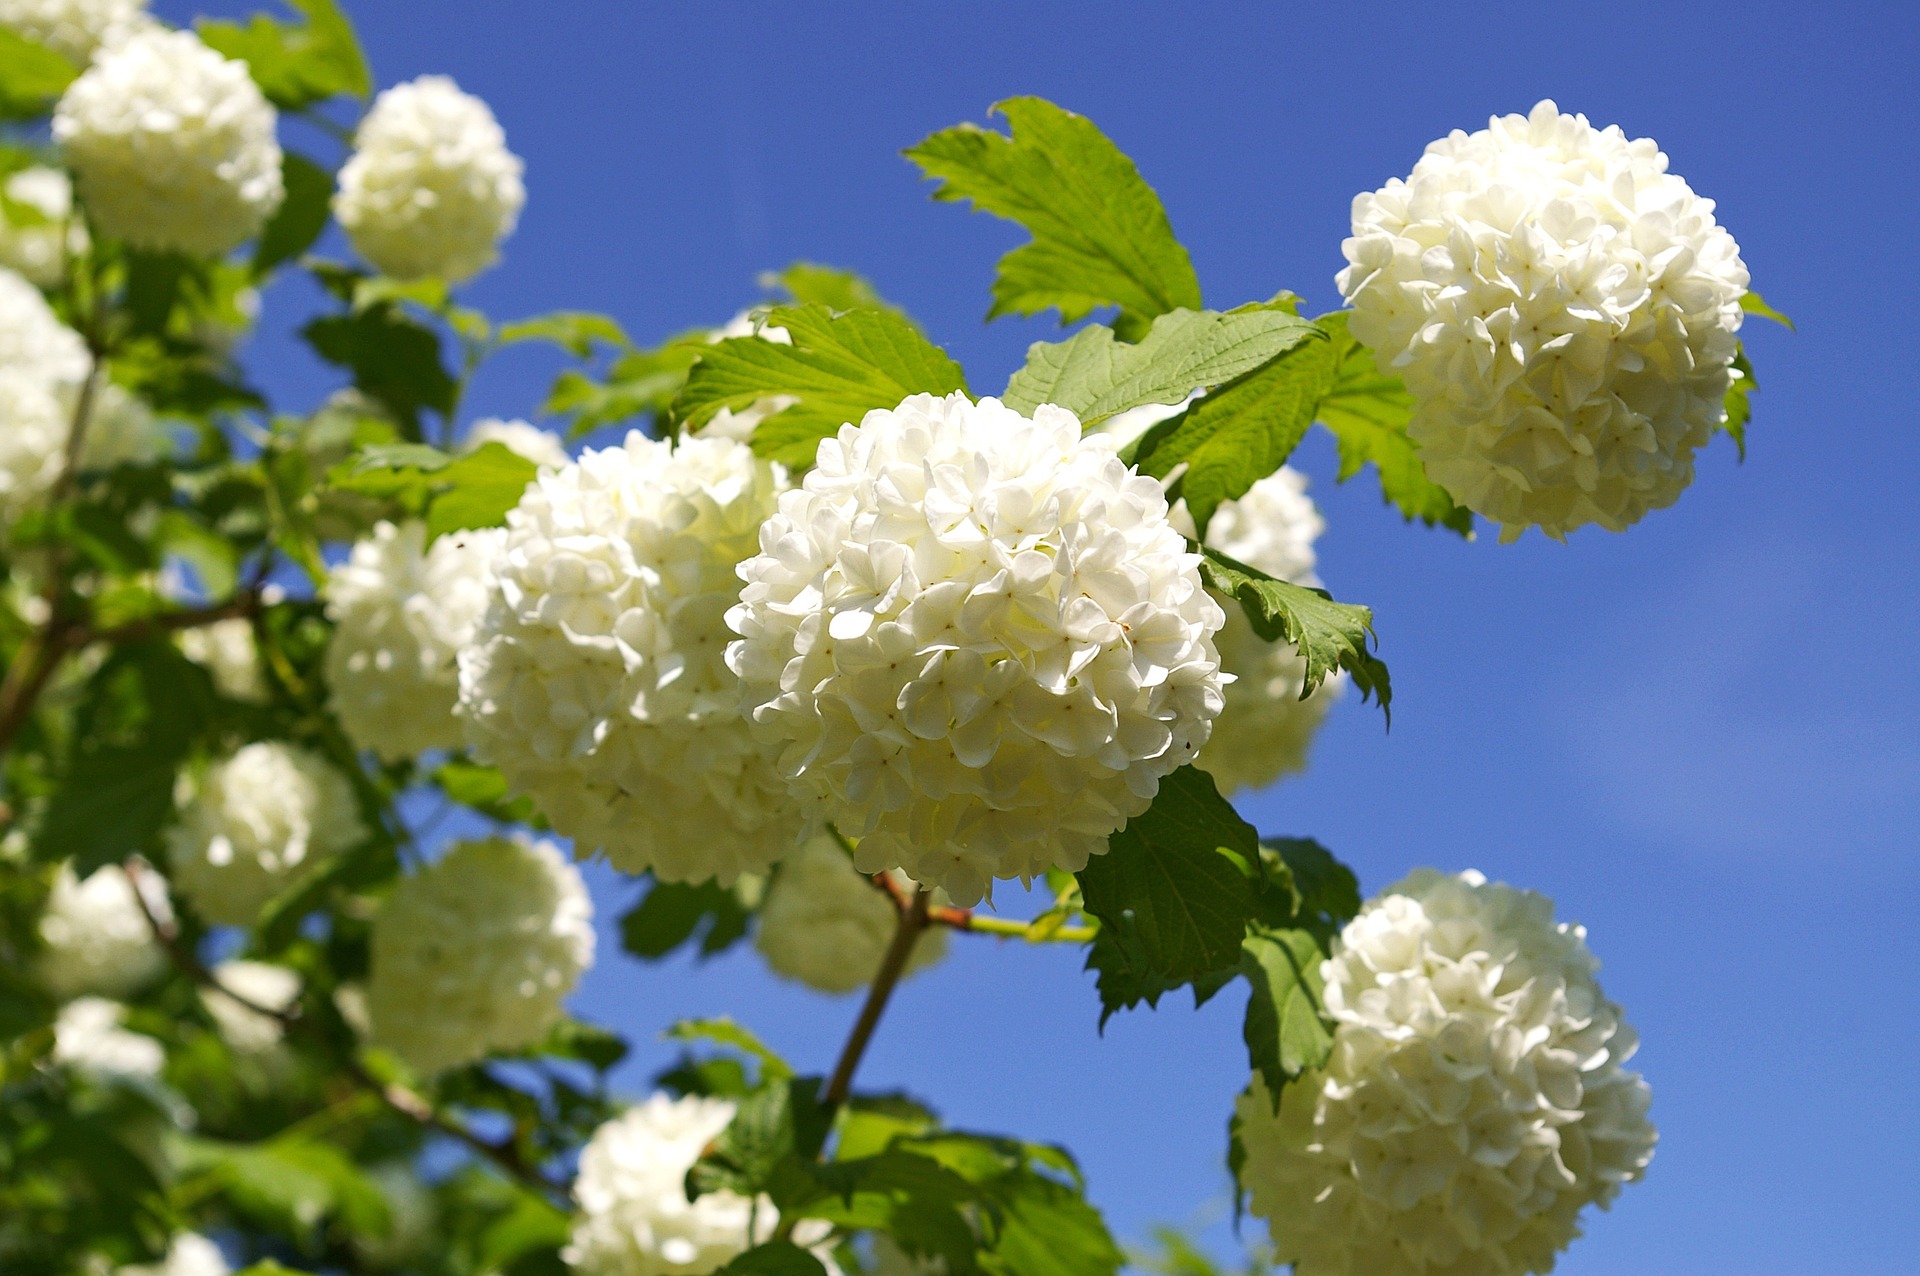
<point>576,331</point>
<point>1308,887</point>
<point>809,283</point>
<point>1367,410</point>
<point>302,215</point>
<point>725,1032</point>
<point>1285,1031</point>
<point>673,913</point>
<point>32,76</point>
<point>783,1120</point>
<point>479,487</point>
<point>1176,888</point>
<point>392,358</point>
<point>839,367</point>
<point>1329,635</point>
<point>1100,234</point>
<point>296,64</point>
<point>1095,376</point>
<point>1739,401</point>
<point>1754,304</point>
<point>775,1258</point>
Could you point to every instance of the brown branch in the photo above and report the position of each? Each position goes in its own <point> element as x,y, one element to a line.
<point>913,920</point>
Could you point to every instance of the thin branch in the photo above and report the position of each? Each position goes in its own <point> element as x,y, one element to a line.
<point>913,920</point>
<point>1033,932</point>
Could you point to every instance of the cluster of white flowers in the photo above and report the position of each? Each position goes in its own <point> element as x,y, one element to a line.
<point>431,189</point>
<point>520,437</point>
<point>633,1217</point>
<point>401,610</point>
<point>88,1037</point>
<point>1563,310</point>
<point>43,364</point>
<point>39,248</point>
<point>825,925</point>
<point>246,1002</point>
<point>226,650</point>
<point>476,952</point>
<point>1265,729</point>
<point>98,937</point>
<point>978,639</point>
<point>189,1254</point>
<point>1474,1103</point>
<point>255,823</point>
<point>75,28</point>
<point>172,144</point>
<point>727,423</point>
<point>597,681</point>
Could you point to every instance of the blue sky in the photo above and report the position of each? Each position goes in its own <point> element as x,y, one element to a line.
<point>1702,737</point>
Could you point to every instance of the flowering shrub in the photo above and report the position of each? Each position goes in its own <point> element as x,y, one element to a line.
<point>793,623</point>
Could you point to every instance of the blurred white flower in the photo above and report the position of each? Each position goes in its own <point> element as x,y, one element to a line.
<point>597,681</point>
<point>476,952</point>
<point>172,145</point>
<point>254,824</point>
<point>97,937</point>
<point>1474,1102</point>
<point>226,650</point>
<point>75,29</point>
<point>248,1001</point>
<point>88,1037</point>
<point>32,338</point>
<point>431,188</point>
<point>189,1254</point>
<point>522,438</point>
<point>1563,310</point>
<point>40,233</point>
<point>825,925</point>
<point>1265,729</point>
<point>977,639</point>
<point>402,609</point>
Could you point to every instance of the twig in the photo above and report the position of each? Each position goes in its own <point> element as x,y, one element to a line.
<point>913,920</point>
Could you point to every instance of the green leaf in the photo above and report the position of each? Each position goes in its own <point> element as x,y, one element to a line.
<point>775,1258</point>
<point>1754,304</point>
<point>111,803</point>
<point>673,913</point>
<point>1329,635</point>
<point>575,331</point>
<point>839,367</point>
<point>532,1223</point>
<point>725,1032</point>
<point>393,358</point>
<point>32,76</point>
<point>1367,411</point>
<point>783,1119</point>
<point>155,285</point>
<point>1314,889</point>
<point>1176,885</point>
<point>291,1184</point>
<point>480,487</point>
<point>485,790</point>
<point>1094,376</point>
<point>1100,234</point>
<point>301,217</point>
<point>296,64</point>
<point>589,1043</point>
<point>1049,1229</point>
<point>1739,401</point>
<point>1285,1031</point>
<point>640,383</point>
<point>809,283</point>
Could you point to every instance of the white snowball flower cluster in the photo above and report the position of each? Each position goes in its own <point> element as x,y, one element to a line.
<point>431,189</point>
<point>1265,729</point>
<point>401,610</point>
<point>43,364</point>
<point>977,637</point>
<point>254,824</point>
<point>88,1036</point>
<point>173,145</point>
<point>75,28</point>
<point>522,438</point>
<point>97,936</point>
<point>597,681</point>
<point>826,926</point>
<point>633,1217</point>
<point>476,952</point>
<point>189,1254</point>
<point>246,1002</point>
<point>1563,310</point>
<point>226,650</point>
<point>727,423</point>
<point>39,244</point>
<point>1474,1102</point>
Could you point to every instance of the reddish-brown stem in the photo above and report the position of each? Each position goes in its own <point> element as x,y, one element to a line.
<point>912,921</point>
